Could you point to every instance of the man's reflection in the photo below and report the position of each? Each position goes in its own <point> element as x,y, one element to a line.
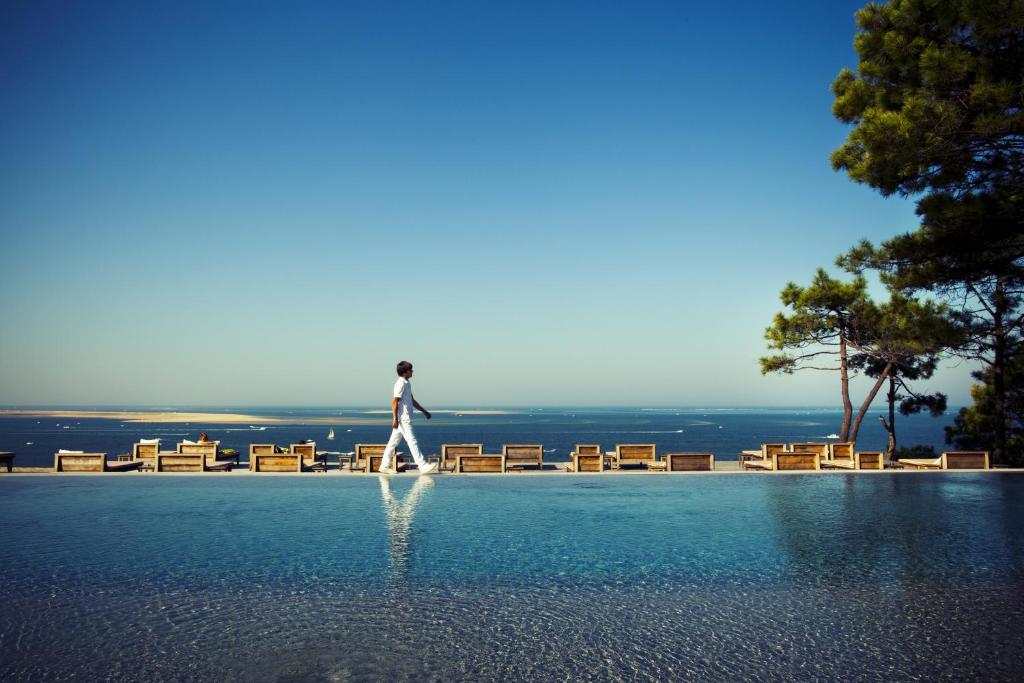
<point>399,515</point>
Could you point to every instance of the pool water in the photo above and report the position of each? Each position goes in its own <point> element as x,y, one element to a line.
<point>859,577</point>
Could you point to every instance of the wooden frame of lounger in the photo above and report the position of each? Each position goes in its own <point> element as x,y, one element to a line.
<point>781,462</point>
<point>965,460</point>
<point>146,452</point>
<point>767,451</point>
<point>480,462</point>
<point>370,455</point>
<point>689,462</point>
<point>824,450</point>
<point>634,454</point>
<point>190,462</point>
<point>587,457</point>
<point>523,455</point>
<point>844,450</point>
<point>951,460</point>
<point>265,457</point>
<point>91,462</point>
<point>308,457</point>
<point>447,460</point>
<point>209,449</point>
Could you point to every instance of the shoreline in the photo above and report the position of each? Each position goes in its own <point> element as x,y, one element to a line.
<point>171,416</point>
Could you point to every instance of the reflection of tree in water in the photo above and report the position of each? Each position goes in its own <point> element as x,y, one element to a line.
<point>399,517</point>
<point>878,527</point>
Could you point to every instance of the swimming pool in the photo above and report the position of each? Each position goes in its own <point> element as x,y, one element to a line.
<point>618,577</point>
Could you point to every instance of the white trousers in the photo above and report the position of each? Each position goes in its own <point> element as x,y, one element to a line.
<point>403,431</point>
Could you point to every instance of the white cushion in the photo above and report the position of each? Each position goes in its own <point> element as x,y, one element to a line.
<point>149,441</point>
<point>69,452</point>
<point>190,443</point>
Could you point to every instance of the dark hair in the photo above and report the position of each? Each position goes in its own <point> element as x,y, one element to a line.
<point>404,367</point>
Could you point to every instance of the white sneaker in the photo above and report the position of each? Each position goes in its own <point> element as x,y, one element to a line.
<point>387,470</point>
<point>428,469</point>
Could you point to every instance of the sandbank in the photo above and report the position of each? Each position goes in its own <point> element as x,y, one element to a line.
<point>179,417</point>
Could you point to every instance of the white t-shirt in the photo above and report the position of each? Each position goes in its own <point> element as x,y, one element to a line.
<point>403,392</point>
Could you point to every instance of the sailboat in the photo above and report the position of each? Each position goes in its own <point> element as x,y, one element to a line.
<point>330,434</point>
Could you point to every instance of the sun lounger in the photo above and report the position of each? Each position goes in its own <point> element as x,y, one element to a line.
<point>965,460</point>
<point>634,454</point>
<point>785,461</point>
<point>78,461</point>
<point>586,458</point>
<point>822,449</point>
<point>210,449</point>
<point>368,457</point>
<point>870,460</point>
<point>523,455</point>
<point>145,451</point>
<point>689,462</point>
<point>765,453</point>
<point>266,457</point>
<point>190,462</point>
<point>451,451</point>
<point>841,449</point>
<point>309,458</point>
<point>480,462</point>
<point>951,460</point>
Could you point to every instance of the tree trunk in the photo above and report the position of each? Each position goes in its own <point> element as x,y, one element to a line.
<point>844,380</point>
<point>999,306</point>
<point>890,424</point>
<point>867,402</point>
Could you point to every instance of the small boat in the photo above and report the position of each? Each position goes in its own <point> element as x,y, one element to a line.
<point>330,434</point>
<point>832,436</point>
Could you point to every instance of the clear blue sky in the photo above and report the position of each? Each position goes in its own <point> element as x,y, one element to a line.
<point>536,203</point>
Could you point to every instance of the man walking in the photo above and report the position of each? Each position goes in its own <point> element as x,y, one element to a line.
<point>402,404</point>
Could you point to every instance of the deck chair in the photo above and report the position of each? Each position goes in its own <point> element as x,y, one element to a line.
<point>308,457</point>
<point>145,451</point>
<point>822,449</point>
<point>523,455</point>
<point>634,454</point>
<point>965,460</point>
<point>79,461</point>
<point>450,452</point>
<point>764,462</point>
<point>586,458</point>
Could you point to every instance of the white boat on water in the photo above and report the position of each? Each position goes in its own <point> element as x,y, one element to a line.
<point>330,434</point>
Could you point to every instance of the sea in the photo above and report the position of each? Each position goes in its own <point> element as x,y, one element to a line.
<point>722,431</point>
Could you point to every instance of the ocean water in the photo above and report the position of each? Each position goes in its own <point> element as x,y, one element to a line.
<point>841,577</point>
<point>724,432</point>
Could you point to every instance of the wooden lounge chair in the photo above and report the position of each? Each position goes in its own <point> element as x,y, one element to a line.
<point>586,458</point>
<point>368,457</point>
<point>77,461</point>
<point>479,462</point>
<point>451,451</point>
<point>765,453</point>
<point>209,449</point>
<point>266,457</point>
<point>523,455</point>
<point>787,461</point>
<point>965,460</point>
<point>634,454</point>
<point>309,458</point>
<point>951,460</point>
<point>146,453</point>
<point>841,449</point>
<point>870,460</point>
<point>689,462</point>
<point>797,460</point>
<point>822,449</point>
<point>195,461</point>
